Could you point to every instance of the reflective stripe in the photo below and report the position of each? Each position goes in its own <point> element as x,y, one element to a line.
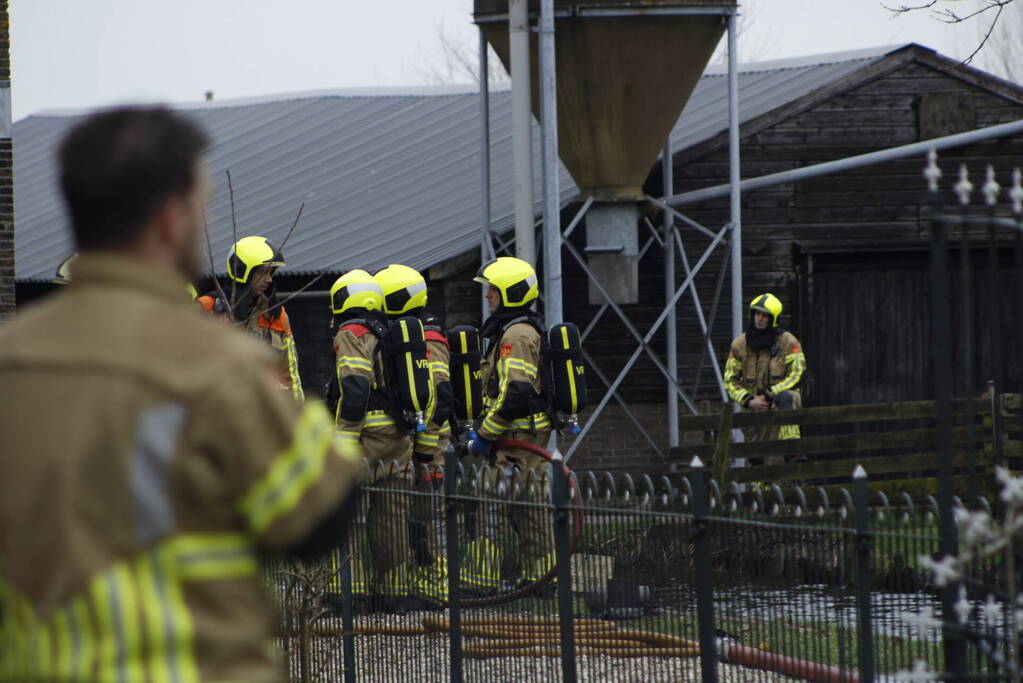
<point>134,601</point>
<point>733,370</point>
<point>293,471</point>
<point>797,363</point>
<point>81,627</point>
<point>430,440</point>
<point>377,418</point>
<point>215,556</point>
<point>296,379</point>
<point>355,363</point>
<point>157,432</point>
<point>409,369</point>
<point>348,434</point>
<point>568,368</point>
<point>517,363</point>
<point>439,366</point>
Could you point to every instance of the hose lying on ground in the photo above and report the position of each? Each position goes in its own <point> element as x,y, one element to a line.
<point>790,666</point>
<point>577,530</point>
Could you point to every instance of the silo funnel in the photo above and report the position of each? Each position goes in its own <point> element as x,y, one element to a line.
<point>625,69</point>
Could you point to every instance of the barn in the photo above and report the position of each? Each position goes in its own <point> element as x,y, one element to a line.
<point>394,176</point>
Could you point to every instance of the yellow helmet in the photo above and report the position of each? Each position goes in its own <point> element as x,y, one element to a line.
<point>404,289</point>
<point>249,253</point>
<point>768,304</point>
<point>513,277</point>
<point>356,289</point>
<point>63,275</point>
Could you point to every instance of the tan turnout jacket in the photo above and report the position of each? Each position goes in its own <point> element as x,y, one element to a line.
<point>749,373</point>
<point>147,457</point>
<point>508,369</point>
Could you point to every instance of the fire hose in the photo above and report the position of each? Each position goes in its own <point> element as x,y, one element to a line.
<point>577,530</point>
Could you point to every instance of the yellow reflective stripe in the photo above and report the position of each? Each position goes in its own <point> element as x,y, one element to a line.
<point>528,368</point>
<point>348,434</point>
<point>568,369</point>
<point>214,556</point>
<point>129,635</point>
<point>296,379</point>
<point>797,361</point>
<point>733,369</point>
<point>178,618</point>
<point>409,370</point>
<point>293,471</point>
<point>354,362</point>
<point>467,384</point>
<point>378,420</point>
<point>106,650</point>
<point>439,366</point>
<point>44,656</point>
<point>62,640</point>
<point>424,439</point>
<point>84,656</point>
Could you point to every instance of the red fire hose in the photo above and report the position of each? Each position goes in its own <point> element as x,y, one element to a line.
<point>790,666</point>
<point>577,529</point>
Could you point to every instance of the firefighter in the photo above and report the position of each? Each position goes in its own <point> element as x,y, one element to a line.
<point>764,367</point>
<point>365,414</point>
<point>148,458</point>
<point>513,409</point>
<point>404,291</point>
<point>251,266</point>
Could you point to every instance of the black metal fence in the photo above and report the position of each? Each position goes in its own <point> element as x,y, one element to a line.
<point>671,579</point>
<point>542,574</point>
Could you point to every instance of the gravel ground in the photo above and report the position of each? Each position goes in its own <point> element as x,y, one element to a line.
<point>422,658</point>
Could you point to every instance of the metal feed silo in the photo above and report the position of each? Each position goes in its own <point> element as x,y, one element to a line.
<point>625,70</point>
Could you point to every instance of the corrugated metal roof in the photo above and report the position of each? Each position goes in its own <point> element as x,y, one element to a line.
<point>386,175</point>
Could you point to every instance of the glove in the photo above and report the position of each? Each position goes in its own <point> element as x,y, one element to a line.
<point>480,446</point>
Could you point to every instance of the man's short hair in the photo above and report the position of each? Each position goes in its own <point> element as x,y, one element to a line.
<point>117,167</point>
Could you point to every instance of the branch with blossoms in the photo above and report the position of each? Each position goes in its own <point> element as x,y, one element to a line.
<point>979,538</point>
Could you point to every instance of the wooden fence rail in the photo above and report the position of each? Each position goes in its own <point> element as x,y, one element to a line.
<point>895,442</point>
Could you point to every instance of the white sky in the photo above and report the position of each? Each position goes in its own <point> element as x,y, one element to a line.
<point>83,53</point>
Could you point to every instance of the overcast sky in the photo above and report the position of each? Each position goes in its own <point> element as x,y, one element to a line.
<point>84,53</point>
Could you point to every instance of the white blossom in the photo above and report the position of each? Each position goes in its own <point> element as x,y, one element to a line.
<point>991,610</point>
<point>944,570</point>
<point>962,606</point>
<point>923,621</point>
<point>975,527</point>
<point>919,674</point>
<point>1012,487</point>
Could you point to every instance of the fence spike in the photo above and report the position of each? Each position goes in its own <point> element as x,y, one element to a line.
<point>991,187</point>
<point>964,187</point>
<point>932,173</point>
<point>1016,193</point>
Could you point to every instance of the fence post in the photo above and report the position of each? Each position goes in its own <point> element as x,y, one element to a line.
<point>563,555</point>
<point>954,646</point>
<point>347,614</point>
<point>704,582</point>
<point>454,567</point>
<point>863,550</point>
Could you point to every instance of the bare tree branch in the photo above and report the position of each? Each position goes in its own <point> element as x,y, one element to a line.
<point>234,230</point>
<point>293,226</point>
<point>453,59</point>
<point>946,11</point>
<point>983,41</point>
<point>213,270</point>
<point>281,303</point>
